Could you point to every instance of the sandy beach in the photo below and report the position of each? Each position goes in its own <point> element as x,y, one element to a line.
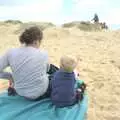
<point>99,63</point>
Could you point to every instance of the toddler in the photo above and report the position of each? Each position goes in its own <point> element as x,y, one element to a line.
<point>63,91</point>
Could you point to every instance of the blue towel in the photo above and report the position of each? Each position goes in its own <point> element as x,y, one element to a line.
<point>18,108</point>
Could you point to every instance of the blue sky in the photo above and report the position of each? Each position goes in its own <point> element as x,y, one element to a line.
<point>60,11</point>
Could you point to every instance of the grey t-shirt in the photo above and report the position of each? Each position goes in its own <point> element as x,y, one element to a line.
<point>29,67</point>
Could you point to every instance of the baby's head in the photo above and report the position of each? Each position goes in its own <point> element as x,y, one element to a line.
<point>68,63</point>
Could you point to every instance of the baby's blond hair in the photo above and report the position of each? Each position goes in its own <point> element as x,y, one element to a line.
<point>68,63</point>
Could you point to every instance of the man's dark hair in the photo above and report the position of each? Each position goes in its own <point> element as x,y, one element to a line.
<point>30,35</point>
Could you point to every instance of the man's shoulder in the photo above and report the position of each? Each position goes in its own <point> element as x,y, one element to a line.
<point>44,52</point>
<point>12,50</point>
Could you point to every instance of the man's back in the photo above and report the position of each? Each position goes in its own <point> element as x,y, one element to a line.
<point>29,67</point>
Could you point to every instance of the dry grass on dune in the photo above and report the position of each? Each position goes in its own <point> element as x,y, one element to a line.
<point>99,63</point>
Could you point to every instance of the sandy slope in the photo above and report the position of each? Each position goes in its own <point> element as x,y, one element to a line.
<point>99,63</point>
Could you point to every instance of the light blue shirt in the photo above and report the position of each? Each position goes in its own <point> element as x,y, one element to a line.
<point>29,67</point>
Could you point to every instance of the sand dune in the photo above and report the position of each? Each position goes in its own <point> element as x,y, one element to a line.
<point>99,63</point>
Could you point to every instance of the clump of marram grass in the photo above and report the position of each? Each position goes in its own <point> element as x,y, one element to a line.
<point>41,25</point>
<point>13,22</point>
<point>85,26</point>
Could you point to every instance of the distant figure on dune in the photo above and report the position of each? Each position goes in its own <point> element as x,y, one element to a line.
<point>101,24</point>
<point>96,18</point>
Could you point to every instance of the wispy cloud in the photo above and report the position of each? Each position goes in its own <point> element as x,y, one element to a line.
<point>59,11</point>
<point>85,9</point>
<point>107,10</point>
<point>44,11</point>
<point>113,17</point>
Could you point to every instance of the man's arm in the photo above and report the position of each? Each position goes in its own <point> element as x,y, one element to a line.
<point>6,75</point>
<point>3,64</point>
